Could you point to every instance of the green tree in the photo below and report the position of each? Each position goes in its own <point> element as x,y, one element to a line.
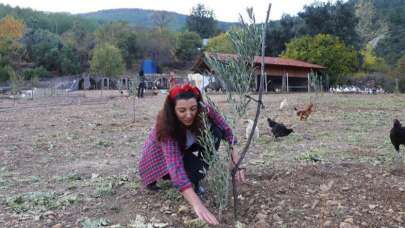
<point>400,71</point>
<point>128,44</point>
<point>158,44</point>
<point>120,35</point>
<point>281,32</point>
<point>202,21</point>
<point>337,19</point>
<point>47,49</point>
<point>111,32</point>
<point>326,50</point>
<point>81,41</point>
<point>369,26</point>
<point>107,61</point>
<point>370,61</point>
<point>162,19</point>
<point>16,80</point>
<point>187,46</point>
<point>392,46</point>
<point>220,44</point>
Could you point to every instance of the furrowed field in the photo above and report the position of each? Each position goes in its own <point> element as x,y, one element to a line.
<point>71,161</point>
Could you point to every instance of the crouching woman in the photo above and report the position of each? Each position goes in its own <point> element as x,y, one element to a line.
<point>172,151</point>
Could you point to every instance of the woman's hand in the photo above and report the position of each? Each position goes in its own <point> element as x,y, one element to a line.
<point>199,208</point>
<point>240,175</point>
<point>203,213</point>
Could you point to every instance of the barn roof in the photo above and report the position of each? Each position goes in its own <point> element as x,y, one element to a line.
<point>277,61</point>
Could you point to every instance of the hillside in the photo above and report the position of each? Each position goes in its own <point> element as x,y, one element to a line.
<point>143,17</point>
<point>57,23</point>
<point>382,23</point>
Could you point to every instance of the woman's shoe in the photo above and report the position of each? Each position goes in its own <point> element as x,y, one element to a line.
<point>153,187</point>
<point>199,190</point>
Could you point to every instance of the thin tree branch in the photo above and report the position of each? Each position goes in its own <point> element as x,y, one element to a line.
<point>245,149</point>
<point>255,100</point>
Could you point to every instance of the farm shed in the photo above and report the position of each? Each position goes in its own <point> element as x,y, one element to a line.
<point>282,74</point>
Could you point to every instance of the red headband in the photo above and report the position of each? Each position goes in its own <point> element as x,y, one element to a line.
<point>183,88</point>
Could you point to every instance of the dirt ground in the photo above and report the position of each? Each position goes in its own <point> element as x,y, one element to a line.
<point>71,161</point>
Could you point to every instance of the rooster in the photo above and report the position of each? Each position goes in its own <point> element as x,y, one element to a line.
<point>278,129</point>
<point>249,128</point>
<point>397,135</point>
<point>304,113</point>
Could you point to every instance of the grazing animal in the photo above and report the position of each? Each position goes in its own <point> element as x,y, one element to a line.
<point>304,113</point>
<point>283,104</point>
<point>249,128</point>
<point>397,135</point>
<point>278,129</point>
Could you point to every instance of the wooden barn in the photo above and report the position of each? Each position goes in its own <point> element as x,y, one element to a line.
<point>282,74</point>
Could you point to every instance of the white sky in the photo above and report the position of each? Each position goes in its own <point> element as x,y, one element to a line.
<point>225,10</point>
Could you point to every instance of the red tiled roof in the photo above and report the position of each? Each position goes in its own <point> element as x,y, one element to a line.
<point>273,61</point>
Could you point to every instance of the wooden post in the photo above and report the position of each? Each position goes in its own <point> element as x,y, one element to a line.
<point>283,83</point>
<point>257,85</point>
<point>396,85</point>
<point>288,89</point>
<point>309,83</point>
<point>265,79</point>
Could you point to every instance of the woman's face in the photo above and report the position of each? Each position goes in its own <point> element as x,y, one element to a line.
<point>186,110</point>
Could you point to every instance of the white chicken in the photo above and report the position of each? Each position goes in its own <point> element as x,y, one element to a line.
<point>283,104</point>
<point>249,128</point>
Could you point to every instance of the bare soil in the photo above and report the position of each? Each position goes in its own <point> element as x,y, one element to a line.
<point>71,161</point>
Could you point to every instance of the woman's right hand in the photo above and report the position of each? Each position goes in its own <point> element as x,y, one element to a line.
<point>199,208</point>
<point>203,213</point>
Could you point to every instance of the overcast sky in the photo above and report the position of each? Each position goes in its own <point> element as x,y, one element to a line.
<point>225,10</point>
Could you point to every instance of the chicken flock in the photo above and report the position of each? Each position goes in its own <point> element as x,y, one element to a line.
<point>279,130</point>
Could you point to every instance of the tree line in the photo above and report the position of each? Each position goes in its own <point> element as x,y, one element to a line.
<point>353,40</point>
<point>357,40</point>
<point>37,44</point>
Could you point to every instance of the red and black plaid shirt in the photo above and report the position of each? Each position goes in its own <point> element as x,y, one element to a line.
<point>165,157</point>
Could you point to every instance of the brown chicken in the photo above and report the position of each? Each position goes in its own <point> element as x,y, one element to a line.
<point>305,112</point>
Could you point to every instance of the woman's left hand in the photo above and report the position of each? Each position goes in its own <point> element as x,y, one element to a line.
<point>240,175</point>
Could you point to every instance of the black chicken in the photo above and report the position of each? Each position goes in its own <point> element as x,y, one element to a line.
<point>278,129</point>
<point>397,135</point>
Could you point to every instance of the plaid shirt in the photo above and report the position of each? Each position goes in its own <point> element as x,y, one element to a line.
<point>165,157</point>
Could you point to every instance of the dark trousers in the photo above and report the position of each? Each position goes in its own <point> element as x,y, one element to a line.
<point>141,88</point>
<point>194,165</point>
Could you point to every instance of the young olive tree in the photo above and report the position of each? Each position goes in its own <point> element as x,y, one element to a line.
<point>16,82</point>
<point>133,92</point>
<point>237,73</point>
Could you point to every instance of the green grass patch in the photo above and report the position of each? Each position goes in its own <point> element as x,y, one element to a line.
<point>70,177</point>
<point>95,223</point>
<point>315,155</point>
<point>134,185</point>
<point>104,189</point>
<point>107,186</point>
<point>5,178</point>
<point>170,193</point>
<point>104,143</point>
<point>38,202</point>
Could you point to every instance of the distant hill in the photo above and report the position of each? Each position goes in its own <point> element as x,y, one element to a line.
<point>382,24</point>
<point>142,17</point>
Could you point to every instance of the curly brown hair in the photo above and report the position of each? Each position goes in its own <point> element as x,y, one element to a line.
<point>169,126</point>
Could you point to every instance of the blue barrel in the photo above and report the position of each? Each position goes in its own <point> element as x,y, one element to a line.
<point>149,67</point>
